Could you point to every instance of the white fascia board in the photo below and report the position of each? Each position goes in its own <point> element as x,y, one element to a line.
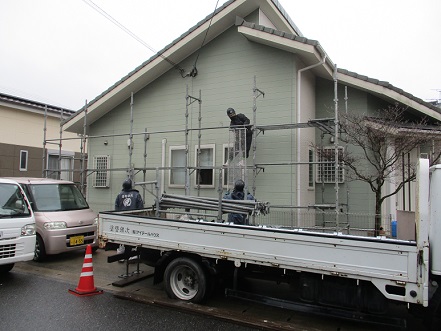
<point>139,79</point>
<point>293,46</point>
<point>382,90</point>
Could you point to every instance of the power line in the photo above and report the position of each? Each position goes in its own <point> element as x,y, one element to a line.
<point>130,33</point>
<point>194,72</point>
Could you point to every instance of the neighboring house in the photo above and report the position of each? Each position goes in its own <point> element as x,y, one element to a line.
<point>254,59</point>
<point>22,137</point>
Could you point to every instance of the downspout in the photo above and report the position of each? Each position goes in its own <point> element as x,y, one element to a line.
<point>299,83</point>
<point>163,153</point>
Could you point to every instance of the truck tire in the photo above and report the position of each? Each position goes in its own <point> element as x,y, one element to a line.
<point>6,268</point>
<point>185,279</point>
<point>40,251</point>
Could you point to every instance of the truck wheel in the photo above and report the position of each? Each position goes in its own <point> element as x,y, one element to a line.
<point>40,251</point>
<point>185,280</point>
<point>6,268</point>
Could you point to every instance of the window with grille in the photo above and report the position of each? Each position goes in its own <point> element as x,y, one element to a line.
<point>326,165</point>
<point>205,177</point>
<point>101,175</point>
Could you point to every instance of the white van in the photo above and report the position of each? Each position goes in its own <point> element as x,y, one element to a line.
<point>64,220</point>
<point>17,226</point>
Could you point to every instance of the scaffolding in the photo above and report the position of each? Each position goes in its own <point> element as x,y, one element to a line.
<point>236,167</point>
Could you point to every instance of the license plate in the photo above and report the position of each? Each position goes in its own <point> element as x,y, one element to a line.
<point>77,240</point>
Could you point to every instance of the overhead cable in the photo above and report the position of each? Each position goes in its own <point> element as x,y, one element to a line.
<point>194,71</point>
<point>130,33</point>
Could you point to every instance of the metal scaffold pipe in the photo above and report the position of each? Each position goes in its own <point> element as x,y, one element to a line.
<point>251,207</point>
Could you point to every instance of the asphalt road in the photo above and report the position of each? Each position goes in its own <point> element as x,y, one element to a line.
<point>65,269</point>
<point>33,302</point>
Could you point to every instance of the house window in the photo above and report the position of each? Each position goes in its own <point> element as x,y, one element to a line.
<point>101,175</point>
<point>60,168</point>
<point>177,165</point>
<point>205,177</point>
<point>326,166</point>
<point>310,168</point>
<point>23,160</point>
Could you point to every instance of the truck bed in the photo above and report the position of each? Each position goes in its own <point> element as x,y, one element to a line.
<point>387,263</point>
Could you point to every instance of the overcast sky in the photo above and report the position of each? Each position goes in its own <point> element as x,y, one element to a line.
<point>64,52</point>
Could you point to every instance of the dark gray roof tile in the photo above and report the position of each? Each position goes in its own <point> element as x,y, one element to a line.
<point>34,104</point>
<point>390,87</point>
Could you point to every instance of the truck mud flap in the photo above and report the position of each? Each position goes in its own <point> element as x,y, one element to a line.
<point>319,310</point>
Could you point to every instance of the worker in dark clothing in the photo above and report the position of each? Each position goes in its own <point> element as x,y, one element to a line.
<point>238,194</point>
<point>240,121</point>
<point>128,198</point>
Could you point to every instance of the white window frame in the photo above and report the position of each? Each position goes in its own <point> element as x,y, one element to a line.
<point>101,178</point>
<point>24,156</point>
<point>171,171</point>
<point>329,169</point>
<point>211,147</point>
<point>65,155</point>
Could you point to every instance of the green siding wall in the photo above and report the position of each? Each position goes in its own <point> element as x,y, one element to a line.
<point>356,194</point>
<point>226,70</point>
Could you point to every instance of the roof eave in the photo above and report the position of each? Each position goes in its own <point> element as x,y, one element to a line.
<point>178,50</point>
<point>384,90</point>
<point>309,51</point>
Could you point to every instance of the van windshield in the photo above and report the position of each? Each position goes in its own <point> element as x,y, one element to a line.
<point>12,203</point>
<point>56,197</point>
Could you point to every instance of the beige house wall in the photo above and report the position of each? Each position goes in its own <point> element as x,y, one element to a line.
<point>26,128</point>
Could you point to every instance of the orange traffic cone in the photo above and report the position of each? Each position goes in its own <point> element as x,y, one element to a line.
<point>86,285</point>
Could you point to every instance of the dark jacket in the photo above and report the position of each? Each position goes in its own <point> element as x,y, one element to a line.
<point>240,119</point>
<point>238,218</point>
<point>128,200</point>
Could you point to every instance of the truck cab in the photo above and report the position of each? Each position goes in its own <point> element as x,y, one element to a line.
<point>17,226</point>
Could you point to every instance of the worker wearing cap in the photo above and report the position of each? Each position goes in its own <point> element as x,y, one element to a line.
<point>128,198</point>
<point>238,121</point>
<point>238,194</point>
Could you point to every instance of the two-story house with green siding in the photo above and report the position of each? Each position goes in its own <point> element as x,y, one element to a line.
<point>250,56</point>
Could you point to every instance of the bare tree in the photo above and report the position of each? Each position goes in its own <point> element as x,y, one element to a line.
<point>378,144</point>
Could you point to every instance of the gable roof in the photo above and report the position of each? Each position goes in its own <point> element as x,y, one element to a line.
<point>311,52</point>
<point>285,35</point>
<point>222,19</point>
<point>33,106</point>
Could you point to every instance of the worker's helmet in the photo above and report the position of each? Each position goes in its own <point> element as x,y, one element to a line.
<point>239,185</point>
<point>127,184</point>
<point>231,112</point>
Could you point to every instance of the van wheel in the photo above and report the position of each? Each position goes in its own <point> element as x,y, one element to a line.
<point>6,268</point>
<point>40,251</point>
<point>185,280</point>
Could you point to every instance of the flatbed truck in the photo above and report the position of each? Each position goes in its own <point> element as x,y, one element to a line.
<point>348,276</point>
